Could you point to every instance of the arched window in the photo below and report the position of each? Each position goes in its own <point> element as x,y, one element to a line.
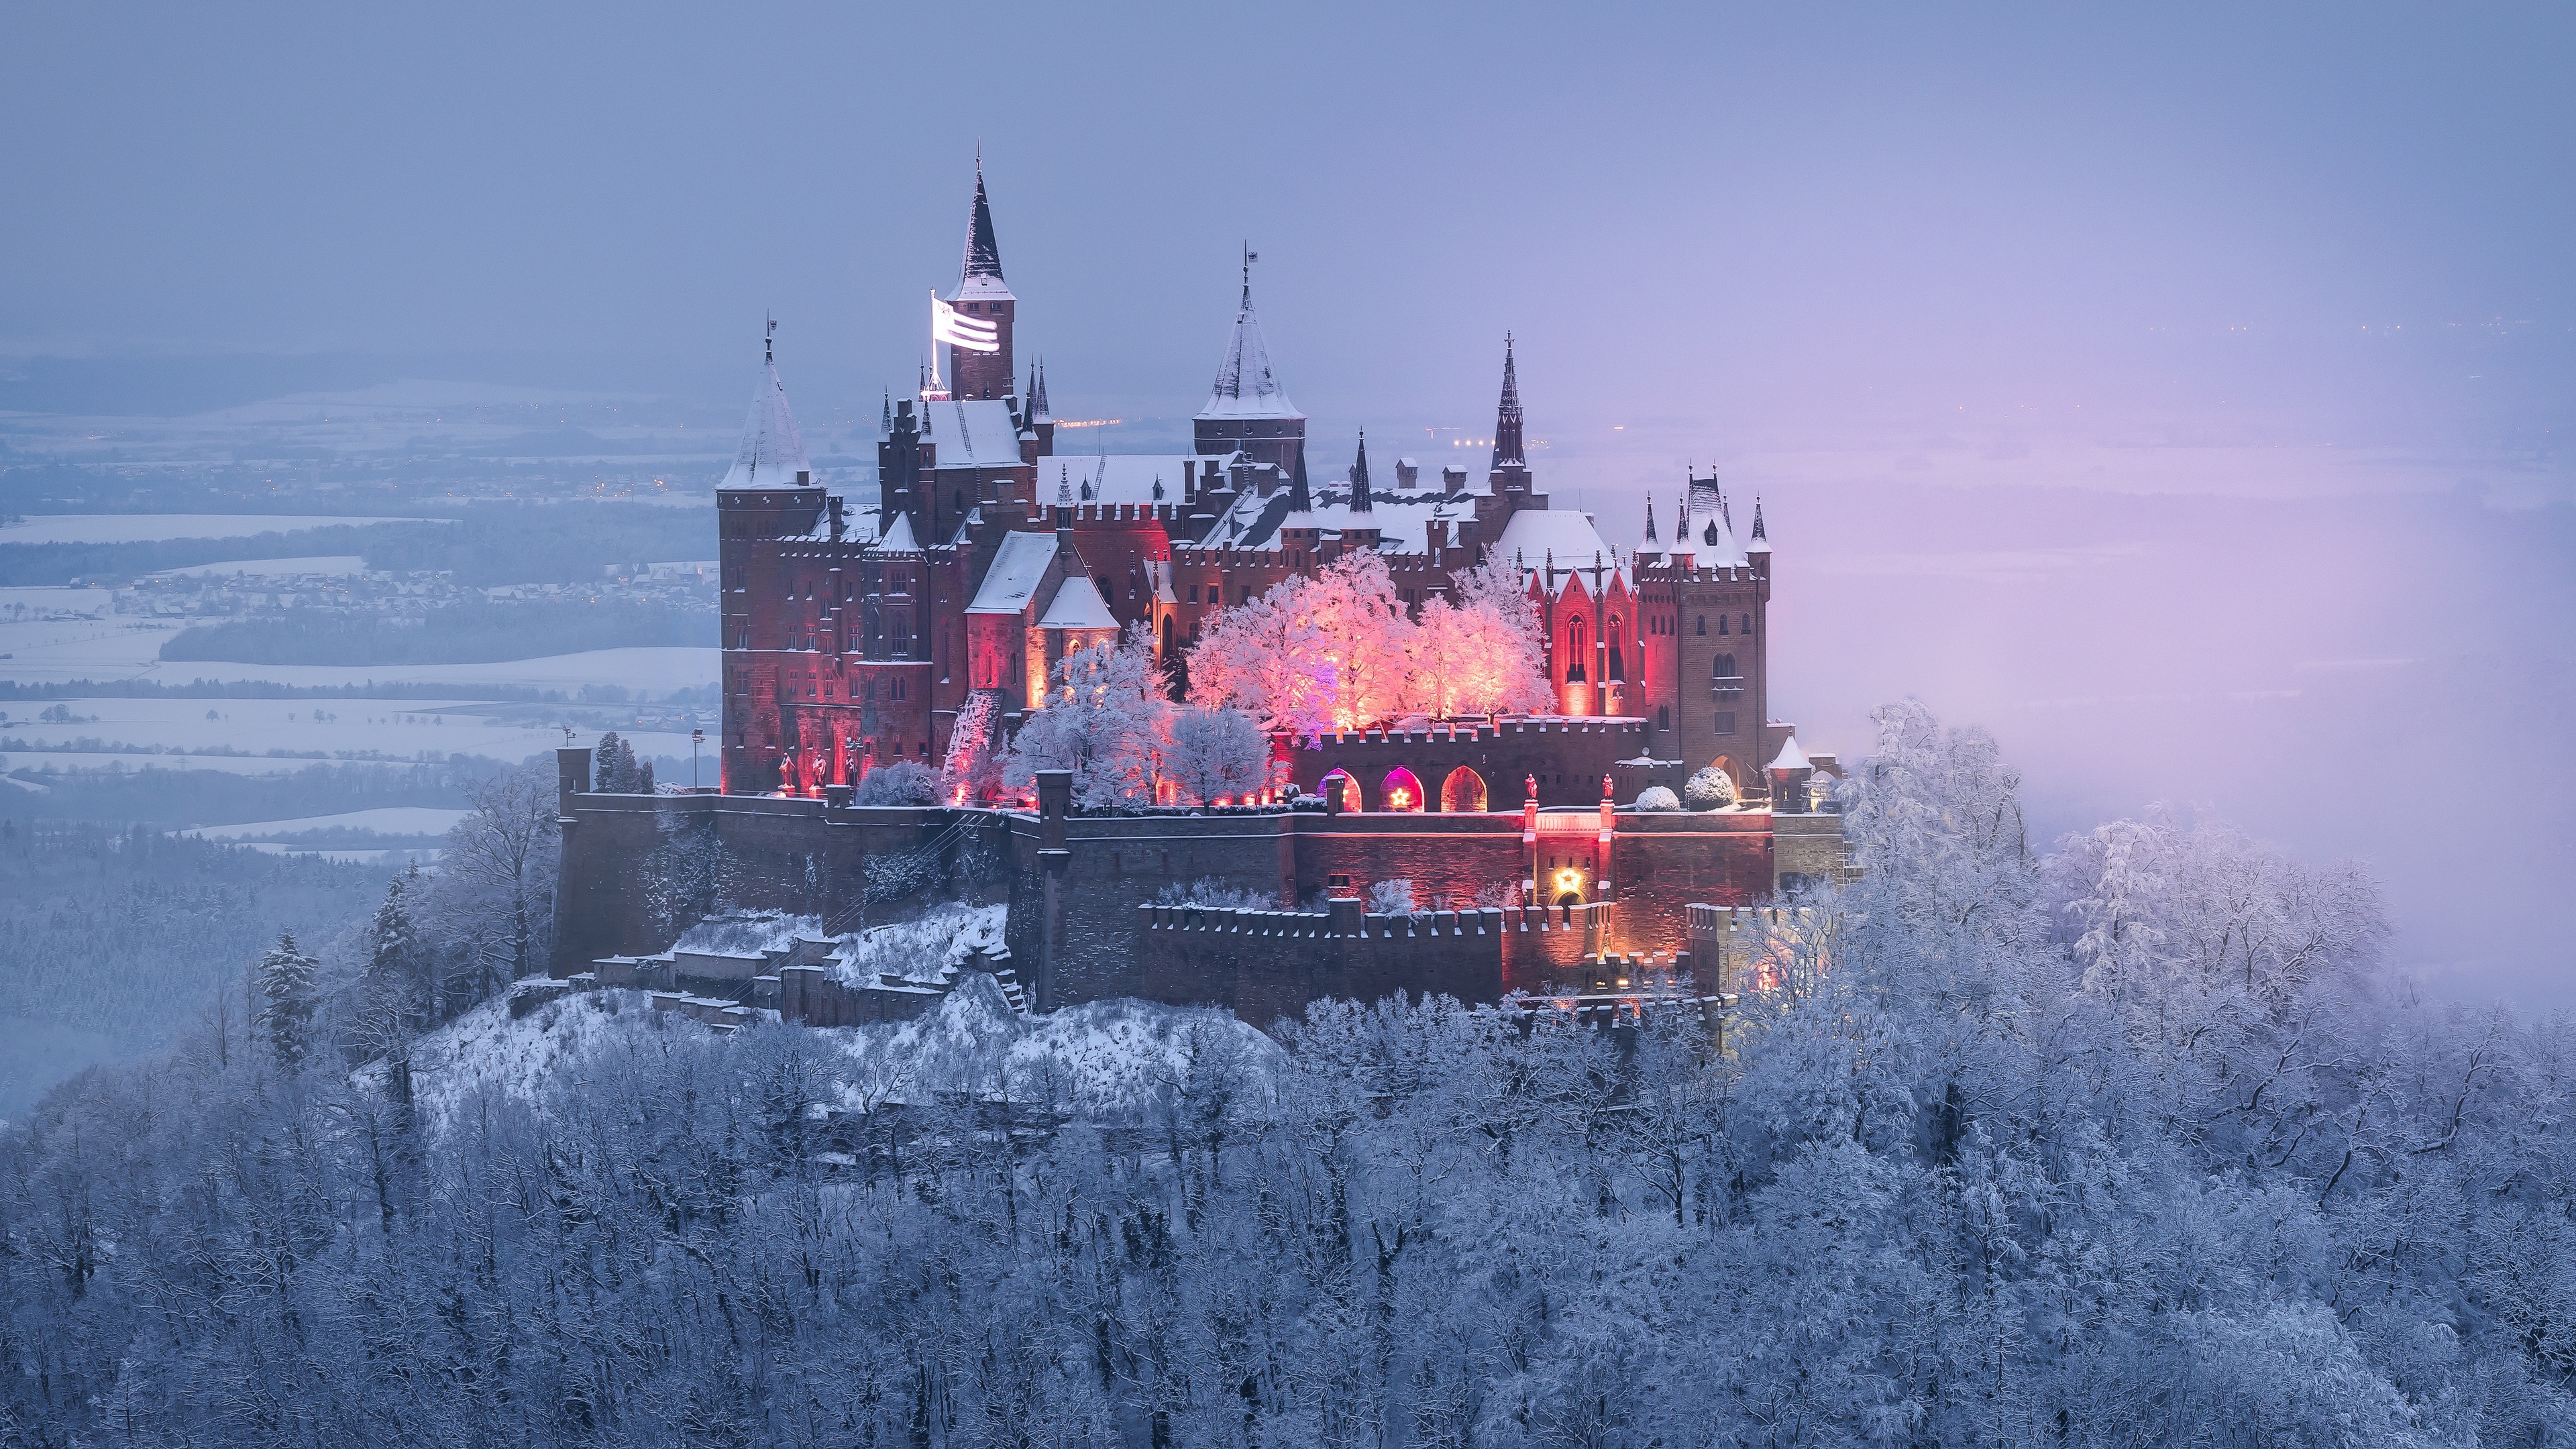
<point>1748,625</point>
<point>1721,623</point>
<point>1722,667</point>
<point>1703,623</point>
<point>1464,790</point>
<point>1574,642</point>
<point>1618,661</point>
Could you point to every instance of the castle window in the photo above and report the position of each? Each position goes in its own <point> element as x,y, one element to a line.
<point>1748,624</point>
<point>1726,721</point>
<point>1703,623</point>
<point>895,688</point>
<point>1663,716</point>
<point>1574,652</point>
<point>1194,593</point>
<point>1721,623</point>
<point>1722,668</point>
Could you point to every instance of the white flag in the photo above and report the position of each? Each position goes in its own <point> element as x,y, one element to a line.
<point>972,333</point>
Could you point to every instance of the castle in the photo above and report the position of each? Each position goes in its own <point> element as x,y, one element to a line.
<point>925,627</point>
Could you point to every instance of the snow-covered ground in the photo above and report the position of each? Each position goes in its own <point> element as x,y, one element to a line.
<point>61,649</point>
<point>400,728</point>
<point>151,527</point>
<point>649,670</point>
<point>386,820</point>
<point>1108,1056</point>
<point>329,563</point>
<point>129,731</point>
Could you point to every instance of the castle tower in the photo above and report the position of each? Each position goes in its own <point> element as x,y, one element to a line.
<point>769,494</point>
<point>984,297</point>
<point>1510,472</point>
<point>1247,409</point>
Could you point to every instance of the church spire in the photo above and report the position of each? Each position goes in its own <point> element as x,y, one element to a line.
<point>1360,479</point>
<point>983,253</point>
<point>1508,452</point>
<point>1300,500</point>
<point>1038,412</point>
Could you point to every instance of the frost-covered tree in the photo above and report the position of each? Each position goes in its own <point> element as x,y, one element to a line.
<point>1340,650</point>
<point>1213,754</point>
<point>496,877</point>
<point>903,782</point>
<point>289,992</point>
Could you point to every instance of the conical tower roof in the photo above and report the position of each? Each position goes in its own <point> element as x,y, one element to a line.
<point>1245,385</point>
<point>1360,479</point>
<point>1508,449</point>
<point>772,455</point>
<point>981,274</point>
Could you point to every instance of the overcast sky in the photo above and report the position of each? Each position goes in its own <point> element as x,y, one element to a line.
<point>1823,219</point>
<point>1943,280</point>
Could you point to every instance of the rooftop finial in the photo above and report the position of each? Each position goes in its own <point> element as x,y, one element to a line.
<point>1249,257</point>
<point>769,342</point>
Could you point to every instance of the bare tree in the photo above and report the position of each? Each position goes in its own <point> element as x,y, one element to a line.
<point>498,873</point>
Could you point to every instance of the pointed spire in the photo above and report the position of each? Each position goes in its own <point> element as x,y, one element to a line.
<point>1508,452</point>
<point>1245,385</point>
<point>1650,518</point>
<point>1299,499</point>
<point>772,455</point>
<point>983,253</point>
<point>1761,540</point>
<point>1063,485</point>
<point>1038,412</point>
<point>885,417</point>
<point>1360,502</point>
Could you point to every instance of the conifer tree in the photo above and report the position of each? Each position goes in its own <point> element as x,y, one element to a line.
<point>288,994</point>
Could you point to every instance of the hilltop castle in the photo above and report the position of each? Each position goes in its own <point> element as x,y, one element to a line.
<point>924,628</point>
<point>854,638</point>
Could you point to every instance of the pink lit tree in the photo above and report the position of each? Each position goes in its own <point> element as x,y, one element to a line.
<point>1109,720</point>
<point>1340,651</point>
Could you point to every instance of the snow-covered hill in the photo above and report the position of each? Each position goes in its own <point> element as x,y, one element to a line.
<point>1104,1056</point>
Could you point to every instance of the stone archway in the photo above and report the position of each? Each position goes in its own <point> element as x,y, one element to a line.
<point>1402,790</point>
<point>1464,790</point>
<point>1343,780</point>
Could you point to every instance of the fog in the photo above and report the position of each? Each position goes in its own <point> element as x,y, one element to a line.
<point>2183,394</point>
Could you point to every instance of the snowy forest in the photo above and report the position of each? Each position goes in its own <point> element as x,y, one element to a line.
<point>2133,1140</point>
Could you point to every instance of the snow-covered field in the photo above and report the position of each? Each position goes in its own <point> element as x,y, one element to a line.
<point>385,820</point>
<point>59,650</point>
<point>128,730</point>
<point>329,563</point>
<point>652,670</point>
<point>152,527</point>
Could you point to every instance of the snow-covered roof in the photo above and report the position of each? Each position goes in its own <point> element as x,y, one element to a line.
<point>1018,567</point>
<point>981,288</point>
<point>1714,541</point>
<point>1534,533</point>
<point>772,455</point>
<point>1400,518</point>
<point>1077,605</point>
<point>1791,757</point>
<point>1245,385</point>
<point>972,433</point>
<point>898,538</point>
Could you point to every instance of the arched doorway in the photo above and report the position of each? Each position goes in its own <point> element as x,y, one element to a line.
<point>1340,779</point>
<point>1401,790</point>
<point>1463,790</point>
